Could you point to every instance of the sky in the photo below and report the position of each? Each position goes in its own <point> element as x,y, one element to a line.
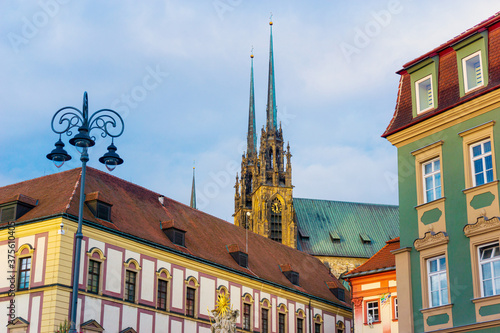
<point>178,72</point>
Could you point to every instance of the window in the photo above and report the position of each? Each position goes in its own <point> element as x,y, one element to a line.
<point>246,316</point>
<point>424,94</point>
<point>24,273</point>
<point>161,301</point>
<point>317,328</point>
<point>281,323</point>
<point>482,162</point>
<point>130,279</point>
<point>93,276</point>
<point>275,220</point>
<point>396,315</point>
<point>489,262</point>
<point>265,320</point>
<point>190,297</point>
<point>438,285</point>
<point>372,311</point>
<point>432,180</point>
<point>300,325</point>
<point>473,71</point>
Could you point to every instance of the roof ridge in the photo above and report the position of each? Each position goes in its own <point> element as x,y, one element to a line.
<point>350,202</point>
<point>74,191</point>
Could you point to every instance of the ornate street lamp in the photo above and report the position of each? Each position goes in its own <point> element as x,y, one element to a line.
<point>65,120</point>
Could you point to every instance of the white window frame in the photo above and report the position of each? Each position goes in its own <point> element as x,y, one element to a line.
<point>368,309</point>
<point>432,174</point>
<point>487,261</point>
<point>396,314</point>
<point>437,273</point>
<point>483,158</point>
<point>464,69</point>
<point>417,93</point>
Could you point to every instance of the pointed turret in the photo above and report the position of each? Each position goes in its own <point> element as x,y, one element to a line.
<point>271,92</point>
<point>193,194</point>
<point>252,136</point>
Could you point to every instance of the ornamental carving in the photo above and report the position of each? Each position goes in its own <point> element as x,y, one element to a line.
<point>431,239</point>
<point>483,225</point>
<point>358,301</point>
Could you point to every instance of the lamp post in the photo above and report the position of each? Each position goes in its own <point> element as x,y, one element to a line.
<point>65,120</point>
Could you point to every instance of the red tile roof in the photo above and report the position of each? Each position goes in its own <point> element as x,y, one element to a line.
<point>448,95</point>
<point>137,212</point>
<point>383,260</point>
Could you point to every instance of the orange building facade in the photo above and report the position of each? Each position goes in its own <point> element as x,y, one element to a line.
<point>374,292</point>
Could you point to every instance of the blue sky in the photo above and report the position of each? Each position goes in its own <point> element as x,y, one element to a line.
<point>179,72</point>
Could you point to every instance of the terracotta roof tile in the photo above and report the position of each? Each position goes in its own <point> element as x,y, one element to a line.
<point>382,260</point>
<point>137,212</point>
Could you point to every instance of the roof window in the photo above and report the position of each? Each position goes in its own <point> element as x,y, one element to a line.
<point>15,207</point>
<point>334,236</point>
<point>239,256</point>
<point>174,232</point>
<point>365,238</point>
<point>290,274</point>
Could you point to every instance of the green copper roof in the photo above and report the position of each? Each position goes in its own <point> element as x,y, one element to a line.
<point>252,135</point>
<point>271,91</point>
<point>344,229</point>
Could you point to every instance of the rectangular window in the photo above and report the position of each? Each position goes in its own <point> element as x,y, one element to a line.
<point>432,180</point>
<point>162,295</point>
<point>190,292</point>
<point>246,316</point>
<point>396,315</point>
<point>24,273</point>
<point>281,322</point>
<point>372,311</point>
<point>489,267</point>
<point>438,285</point>
<point>300,325</point>
<point>93,276</point>
<point>265,323</point>
<point>425,96</point>
<point>130,278</point>
<point>473,71</point>
<point>317,328</point>
<point>482,162</point>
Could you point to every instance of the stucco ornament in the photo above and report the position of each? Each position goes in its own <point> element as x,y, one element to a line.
<point>224,316</point>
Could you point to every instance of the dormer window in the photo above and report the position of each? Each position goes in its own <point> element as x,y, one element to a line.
<point>98,207</point>
<point>16,207</point>
<point>334,236</point>
<point>425,95</point>
<point>337,291</point>
<point>290,274</point>
<point>473,71</point>
<point>239,256</point>
<point>174,233</point>
<point>365,238</point>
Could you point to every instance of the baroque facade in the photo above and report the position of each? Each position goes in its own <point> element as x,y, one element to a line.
<point>149,264</point>
<point>444,127</point>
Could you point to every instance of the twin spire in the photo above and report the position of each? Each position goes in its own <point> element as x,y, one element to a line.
<point>271,110</point>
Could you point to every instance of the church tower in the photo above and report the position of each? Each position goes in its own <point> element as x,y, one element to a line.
<point>263,200</point>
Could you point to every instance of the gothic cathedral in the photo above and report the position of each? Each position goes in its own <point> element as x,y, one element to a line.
<point>263,202</point>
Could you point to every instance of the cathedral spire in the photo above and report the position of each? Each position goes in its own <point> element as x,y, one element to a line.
<point>252,136</point>
<point>193,194</point>
<point>271,92</point>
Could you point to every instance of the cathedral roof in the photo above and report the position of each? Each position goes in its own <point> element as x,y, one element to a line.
<point>136,214</point>
<point>344,229</point>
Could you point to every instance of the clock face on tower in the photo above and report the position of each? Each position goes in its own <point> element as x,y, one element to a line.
<point>276,206</point>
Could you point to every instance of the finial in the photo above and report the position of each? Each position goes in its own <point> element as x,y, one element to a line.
<point>271,19</point>
<point>251,53</point>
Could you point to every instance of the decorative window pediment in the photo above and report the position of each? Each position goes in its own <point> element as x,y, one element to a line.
<point>431,239</point>
<point>483,225</point>
<point>92,326</point>
<point>18,322</point>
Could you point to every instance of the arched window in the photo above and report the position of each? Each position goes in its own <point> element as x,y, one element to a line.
<point>275,220</point>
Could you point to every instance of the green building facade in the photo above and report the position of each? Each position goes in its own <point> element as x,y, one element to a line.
<point>446,129</point>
